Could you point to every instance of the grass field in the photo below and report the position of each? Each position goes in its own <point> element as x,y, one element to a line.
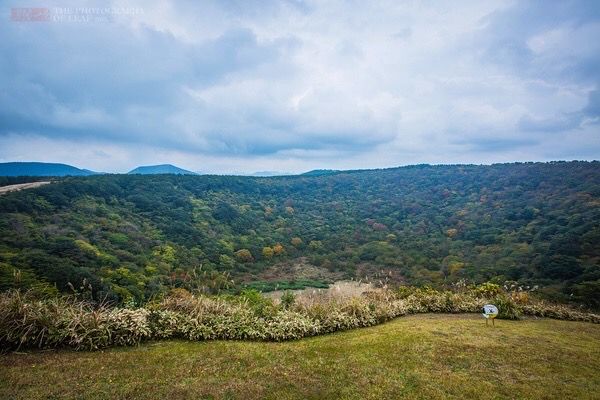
<point>420,356</point>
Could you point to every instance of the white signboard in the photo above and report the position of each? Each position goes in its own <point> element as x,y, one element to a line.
<point>490,311</point>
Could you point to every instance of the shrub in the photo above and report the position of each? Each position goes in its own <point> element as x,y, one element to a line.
<point>287,299</point>
<point>507,308</point>
<point>403,292</point>
<point>291,325</point>
<point>263,306</point>
<point>487,290</point>
<point>559,311</point>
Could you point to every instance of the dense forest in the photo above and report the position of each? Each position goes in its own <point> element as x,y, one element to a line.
<point>127,238</point>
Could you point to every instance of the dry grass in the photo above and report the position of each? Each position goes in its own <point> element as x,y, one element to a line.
<point>422,356</point>
<point>27,320</point>
<point>293,270</point>
<point>339,290</point>
<point>21,186</point>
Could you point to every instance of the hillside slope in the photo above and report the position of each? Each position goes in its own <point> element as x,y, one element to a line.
<point>134,236</point>
<point>417,357</point>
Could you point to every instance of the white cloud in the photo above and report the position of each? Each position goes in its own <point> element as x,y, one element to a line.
<point>241,85</point>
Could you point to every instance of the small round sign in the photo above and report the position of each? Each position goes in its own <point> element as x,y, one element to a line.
<point>490,311</point>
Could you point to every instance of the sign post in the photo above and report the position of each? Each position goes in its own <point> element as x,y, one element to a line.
<point>490,311</point>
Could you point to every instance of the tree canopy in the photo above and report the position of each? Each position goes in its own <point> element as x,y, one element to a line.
<point>130,237</point>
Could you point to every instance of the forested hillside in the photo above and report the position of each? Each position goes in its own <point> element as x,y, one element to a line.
<point>129,237</point>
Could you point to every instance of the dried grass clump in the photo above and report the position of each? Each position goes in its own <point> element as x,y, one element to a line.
<point>48,322</point>
<point>559,311</point>
<point>26,321</point>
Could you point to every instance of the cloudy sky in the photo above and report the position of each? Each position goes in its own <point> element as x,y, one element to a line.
<point>237,86</point>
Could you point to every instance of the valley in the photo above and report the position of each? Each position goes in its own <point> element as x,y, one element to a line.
<point>129,238</point>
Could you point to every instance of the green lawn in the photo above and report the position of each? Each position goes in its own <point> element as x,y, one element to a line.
<point>420,356</point>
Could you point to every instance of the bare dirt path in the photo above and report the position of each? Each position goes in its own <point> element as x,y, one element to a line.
<point>21,186</point>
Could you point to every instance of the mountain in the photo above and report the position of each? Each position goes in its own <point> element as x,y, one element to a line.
<point>160,169</point>
<point>41,169</point>
<point>136,236</point>
<point>320,172</point>
<point>269,173</point>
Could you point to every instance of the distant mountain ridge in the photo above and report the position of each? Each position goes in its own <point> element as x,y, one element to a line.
<point>160,169</point>
<point>269,173</point>
<point>320,172</point>
<point>42,169</point>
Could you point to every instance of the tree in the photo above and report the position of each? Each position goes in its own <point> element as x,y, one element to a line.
<point>226,262</point>
<point>588,293</point>
<point>561,267</point>
<point>225,212</point>
<point>451,232</point>
<point>267,252</point>
<point>244,255</point>
<point>315,245</point>
<point>278,249</point>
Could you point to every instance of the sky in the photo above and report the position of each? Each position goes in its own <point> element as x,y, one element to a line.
<point>239,86</point>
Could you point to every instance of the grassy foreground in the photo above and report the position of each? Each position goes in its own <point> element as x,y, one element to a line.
<point>419,356</point>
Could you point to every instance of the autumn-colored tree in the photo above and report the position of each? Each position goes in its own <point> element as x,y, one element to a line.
<point>267,252</point>
<point>244,255</point>
<point>451,232</point>
<point>278,249</point>
<point>289,210</point>
<point>455,266</point>
<point>296,241</point>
